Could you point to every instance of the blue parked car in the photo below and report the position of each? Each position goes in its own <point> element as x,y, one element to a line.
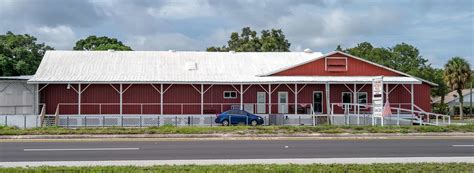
<point>235,116</point>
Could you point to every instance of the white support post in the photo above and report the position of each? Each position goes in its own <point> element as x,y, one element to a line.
<point>296,98</point>
<point>269,98</point>
<point>355,103</point>
<point>328,102</point>
<point>36,99</point>
<point>121,99</point>
<point>412,100</point>
<point>79,92</point>
<point>387,92</point>
<point>161,99</point>
<point>241,97</point>
<point>202,99</point>
<point>354,99</point>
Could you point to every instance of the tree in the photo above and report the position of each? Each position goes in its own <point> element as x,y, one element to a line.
<point>100,43</point>
<point>438,78</point>
<point>20,54</point>
<point>270,41</point>
<point>457,73</point>
<point>402,57</point>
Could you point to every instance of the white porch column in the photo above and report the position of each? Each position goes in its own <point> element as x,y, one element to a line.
<point>202,99</point>
<point>269,98</point>
<point>328,102</point>
<point>296,99</point>
<point>36,103</point>
<point>161,99</point>
<point>412,100</point>
<point>328,96</point>
<point>354,100</point>
<point>121,99</point>
<point>241,97</point>
<point>79,93</point>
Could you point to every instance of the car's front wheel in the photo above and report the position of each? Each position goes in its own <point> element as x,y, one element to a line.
<point>225,123</point>
<point>254,123</point>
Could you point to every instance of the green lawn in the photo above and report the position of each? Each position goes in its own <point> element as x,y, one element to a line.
<point>237,130</point>
<point>420,167</point>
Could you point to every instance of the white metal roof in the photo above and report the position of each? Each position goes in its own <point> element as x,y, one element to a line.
<point>15,77</point>
<point>181,67</point>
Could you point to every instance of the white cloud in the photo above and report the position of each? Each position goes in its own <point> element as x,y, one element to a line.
<point>182,10</point>
<point>165,41</point>
<point>438,28</point>
<point>60,37</point>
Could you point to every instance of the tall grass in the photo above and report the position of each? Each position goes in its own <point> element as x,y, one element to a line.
<point>420,167</point>
<point>167,129</point>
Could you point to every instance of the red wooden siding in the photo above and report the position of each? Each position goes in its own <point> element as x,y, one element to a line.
<point>354,68</point>
<point>141,99</point>
<point>178,94</point>
<point>100,93</point>
<point>53,94</point>
<point>145,94</point>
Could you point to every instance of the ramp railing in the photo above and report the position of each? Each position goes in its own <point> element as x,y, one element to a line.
<point>416,116</point>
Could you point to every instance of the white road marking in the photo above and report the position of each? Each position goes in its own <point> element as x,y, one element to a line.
<point>80,149</point>
<point>462,145</point>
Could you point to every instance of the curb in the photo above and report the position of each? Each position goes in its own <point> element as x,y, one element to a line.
<point>191,136</point>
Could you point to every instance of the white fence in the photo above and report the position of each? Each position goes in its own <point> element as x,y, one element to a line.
<point>73,121</point>
<point>20,121</point>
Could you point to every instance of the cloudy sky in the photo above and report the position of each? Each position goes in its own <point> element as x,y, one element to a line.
<point>439,28</point>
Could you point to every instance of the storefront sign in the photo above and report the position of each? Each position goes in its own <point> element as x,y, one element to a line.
<point>377,96</point>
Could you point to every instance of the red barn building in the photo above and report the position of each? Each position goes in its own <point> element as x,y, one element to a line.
<point>173,82</point>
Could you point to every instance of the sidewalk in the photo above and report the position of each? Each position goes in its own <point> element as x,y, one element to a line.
<point>454,135</point>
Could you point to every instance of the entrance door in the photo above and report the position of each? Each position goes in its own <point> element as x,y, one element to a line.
<point>282,102</point>
<point>261,100</point>
<point>318,102</point>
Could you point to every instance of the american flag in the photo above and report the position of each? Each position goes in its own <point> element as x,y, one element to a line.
<point>386,110</point>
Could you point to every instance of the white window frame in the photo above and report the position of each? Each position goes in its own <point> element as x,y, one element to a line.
<point>366,99</point>
<point>342,99</point>
<point>230,94</point>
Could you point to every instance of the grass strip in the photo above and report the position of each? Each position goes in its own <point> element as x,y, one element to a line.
<point>168,129</point>
<point>414,167</point>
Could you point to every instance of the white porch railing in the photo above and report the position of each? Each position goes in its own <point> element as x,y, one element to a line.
<point>182,108</point>
<point>415,116</point>
<point>75,121</point>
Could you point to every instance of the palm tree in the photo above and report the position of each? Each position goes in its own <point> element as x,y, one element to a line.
<point>457,73</point>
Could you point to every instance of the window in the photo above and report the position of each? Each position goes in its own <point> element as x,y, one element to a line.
<point>346,98</point>
<point>233,111</point>
<point>230,94</point>
<point>362,98</point>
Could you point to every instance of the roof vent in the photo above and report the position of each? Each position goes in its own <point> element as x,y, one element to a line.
<point>171,50</point>
<point>110,50</point>
<point>232,51</point>
<point>191,66</point>
<point>307,50</point>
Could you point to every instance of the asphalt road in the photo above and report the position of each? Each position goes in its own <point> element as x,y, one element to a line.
<point>233,149</point>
